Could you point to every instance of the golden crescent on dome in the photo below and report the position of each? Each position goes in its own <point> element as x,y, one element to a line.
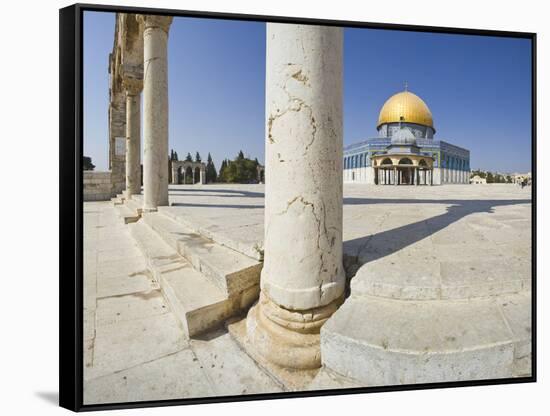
<point>407,107</point>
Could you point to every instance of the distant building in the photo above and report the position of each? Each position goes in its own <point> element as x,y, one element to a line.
<point>520,177</point>
<point>412,158</point>
<point>476,180</point>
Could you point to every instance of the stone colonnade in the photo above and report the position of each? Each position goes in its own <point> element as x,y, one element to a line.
<point>138,63</point>
<point>183,165</point>
<point>451,176</point>
<point>394,175</point>
<point>301,289</point>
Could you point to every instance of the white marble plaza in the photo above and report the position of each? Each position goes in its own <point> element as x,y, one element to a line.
<point>432,274</point>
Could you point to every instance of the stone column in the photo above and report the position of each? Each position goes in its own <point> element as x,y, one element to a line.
<point>302,281</point>
<point>202,176</point>
<point>133,132</point>
<point>174,174</point>
<point>155,109</point>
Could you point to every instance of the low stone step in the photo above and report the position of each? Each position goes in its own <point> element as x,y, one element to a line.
<point>382,341</point>
<point>246,239</point>
<point>127,214</point>
<point>118,200</point>
<point>134,204</point>
<point>232,271</point>
<point>198,303</point>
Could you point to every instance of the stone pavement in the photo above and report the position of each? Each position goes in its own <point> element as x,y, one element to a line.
<point>482,222</point>
<point>419,243</point>
<point>466,247</point>
<point>134,346</point>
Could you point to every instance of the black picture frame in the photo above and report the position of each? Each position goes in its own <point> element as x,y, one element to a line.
<point>71,205</point>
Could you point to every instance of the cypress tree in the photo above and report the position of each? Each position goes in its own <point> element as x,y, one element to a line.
<point>211,174</point>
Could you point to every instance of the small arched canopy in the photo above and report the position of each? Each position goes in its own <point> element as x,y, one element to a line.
<point>387,161</point>
<point>405,161</point>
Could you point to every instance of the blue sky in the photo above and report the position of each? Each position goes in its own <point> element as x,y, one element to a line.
<point>478,88</point>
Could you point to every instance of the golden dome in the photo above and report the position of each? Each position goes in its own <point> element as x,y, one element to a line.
<point>407,107</point>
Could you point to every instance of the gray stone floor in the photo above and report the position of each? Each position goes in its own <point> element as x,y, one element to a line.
<point>134,347</point>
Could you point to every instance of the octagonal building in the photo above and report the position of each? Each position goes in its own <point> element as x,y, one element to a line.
<point>405,114</point>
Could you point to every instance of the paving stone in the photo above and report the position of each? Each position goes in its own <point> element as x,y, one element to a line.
<point>89,324</point>
<point>232,371</point>
<point>117,254</point>
<point>173,376</point>
<point>125,267</point>
<point>517,312</point>
<point>140,281</point>
<point>328,380</point>
<point>120,308</point>
<point>126,344</point>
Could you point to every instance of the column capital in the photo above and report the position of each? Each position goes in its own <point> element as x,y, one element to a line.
<point>150,21</point>
<point>132,86</point>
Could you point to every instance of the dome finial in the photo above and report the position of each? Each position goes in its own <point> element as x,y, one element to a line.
<point>406,86</point>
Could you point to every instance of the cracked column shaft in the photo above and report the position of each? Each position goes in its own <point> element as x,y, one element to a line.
<point>155,109</point>
<point>302,280</point>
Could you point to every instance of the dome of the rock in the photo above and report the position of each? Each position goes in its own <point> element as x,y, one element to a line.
<point>405,107</point>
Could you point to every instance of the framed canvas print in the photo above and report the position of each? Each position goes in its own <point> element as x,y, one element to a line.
<point>259,207</point>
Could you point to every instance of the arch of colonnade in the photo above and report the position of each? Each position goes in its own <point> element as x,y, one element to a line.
<point>402,169</point>
<point>181,170</point>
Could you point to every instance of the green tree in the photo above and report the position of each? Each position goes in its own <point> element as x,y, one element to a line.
<point>221,177</point>
<point>188,158</point>
<point>87,163</point>
<point>198,157</point>
<point>490,178</point>
<point>239,170</point>
<point>211,174</point>
<point>479,173</point>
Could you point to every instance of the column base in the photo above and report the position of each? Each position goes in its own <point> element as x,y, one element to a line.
<point>289,339</point>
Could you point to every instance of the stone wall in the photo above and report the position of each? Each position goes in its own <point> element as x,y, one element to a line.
<point>97,186</point>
